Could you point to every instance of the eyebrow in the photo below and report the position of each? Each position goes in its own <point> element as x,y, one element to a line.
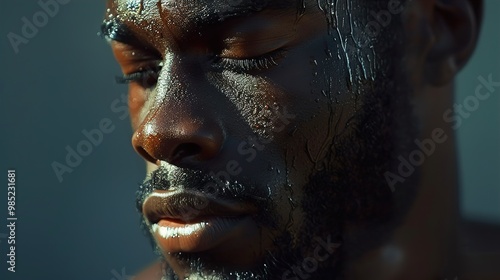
<point>220,11</point>
<point>115,30</point>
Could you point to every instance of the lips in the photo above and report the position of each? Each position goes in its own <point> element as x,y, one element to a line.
<point>192,222</point>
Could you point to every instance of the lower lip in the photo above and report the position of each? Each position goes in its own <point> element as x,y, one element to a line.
<point>176,237</point>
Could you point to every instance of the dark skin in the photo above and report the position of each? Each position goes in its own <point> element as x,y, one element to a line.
<point>303,120</point>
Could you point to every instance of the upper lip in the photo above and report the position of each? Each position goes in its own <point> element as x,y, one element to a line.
<point>188,207</point>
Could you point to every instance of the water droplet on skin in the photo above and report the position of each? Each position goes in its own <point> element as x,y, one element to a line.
<point>328,53</point>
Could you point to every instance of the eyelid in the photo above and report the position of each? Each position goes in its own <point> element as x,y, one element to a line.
<point>134,53</point>
<point>250,64</point>
<point>254,43</point>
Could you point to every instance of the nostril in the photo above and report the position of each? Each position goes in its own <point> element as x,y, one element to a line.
<point>145,154</point>
<point>185,150</point>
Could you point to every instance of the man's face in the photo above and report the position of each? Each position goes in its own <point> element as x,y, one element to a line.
<point>267,127</point>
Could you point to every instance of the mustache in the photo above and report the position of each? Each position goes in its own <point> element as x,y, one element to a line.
<point>200,182</point>
<point>204,184</point>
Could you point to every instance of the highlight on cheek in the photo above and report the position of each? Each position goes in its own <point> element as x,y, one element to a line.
<point>137,96</point>
<point>137,100</point>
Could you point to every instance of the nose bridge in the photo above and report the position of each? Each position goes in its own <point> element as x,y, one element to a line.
<point>179,128</point>
<point>173,81</point>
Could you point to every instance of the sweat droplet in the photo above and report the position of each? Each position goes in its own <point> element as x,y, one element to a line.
<point>328,53</point>
<point>135,6</point>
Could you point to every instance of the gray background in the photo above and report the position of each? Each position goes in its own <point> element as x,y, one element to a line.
<point>86,227</point>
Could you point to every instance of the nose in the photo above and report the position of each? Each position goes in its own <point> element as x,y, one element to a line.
<point>184,142</point>
<point>180,127</point>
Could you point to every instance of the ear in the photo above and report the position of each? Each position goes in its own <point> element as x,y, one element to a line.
<point>452,28</point>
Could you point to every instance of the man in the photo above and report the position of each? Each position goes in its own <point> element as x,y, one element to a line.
<point>293,139</point>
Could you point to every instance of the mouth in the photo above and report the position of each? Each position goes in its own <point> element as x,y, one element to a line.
<point>192,222</point>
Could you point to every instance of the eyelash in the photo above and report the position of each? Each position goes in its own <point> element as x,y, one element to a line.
<point>148,78</point>
<point>255,64</point>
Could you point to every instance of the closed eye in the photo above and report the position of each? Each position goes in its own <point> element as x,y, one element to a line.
<point>145,77</point>
<point>249,65</point>
<point>148,77</point>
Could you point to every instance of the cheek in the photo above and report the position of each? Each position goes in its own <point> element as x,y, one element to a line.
<point>313,87</point>
<point>258,102</point>
<point>137,103</point>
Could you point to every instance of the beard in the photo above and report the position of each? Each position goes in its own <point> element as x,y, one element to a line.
<point>347,200</point>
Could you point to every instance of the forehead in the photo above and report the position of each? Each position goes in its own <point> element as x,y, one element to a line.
<point>193,10</point>
<point>165,20</point>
